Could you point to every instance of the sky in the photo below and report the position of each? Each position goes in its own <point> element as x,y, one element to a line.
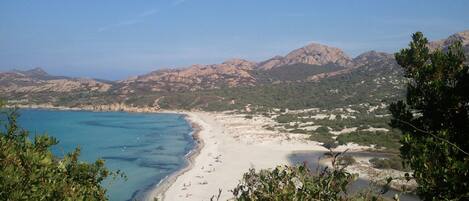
<point>115,39</point>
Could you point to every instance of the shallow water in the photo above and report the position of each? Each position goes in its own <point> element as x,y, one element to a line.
<point>147,147</point>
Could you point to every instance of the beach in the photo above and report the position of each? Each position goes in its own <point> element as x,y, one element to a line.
<point>228,144</point>
<point>231,146</point>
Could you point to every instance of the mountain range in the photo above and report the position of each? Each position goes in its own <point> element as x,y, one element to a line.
<point>308,66</point>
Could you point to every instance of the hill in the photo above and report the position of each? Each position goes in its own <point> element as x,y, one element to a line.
<point>311,76</point>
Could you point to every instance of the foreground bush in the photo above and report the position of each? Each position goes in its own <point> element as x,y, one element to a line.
<point>292,183</point>
<point>300,183</point>
<point>29,170</point>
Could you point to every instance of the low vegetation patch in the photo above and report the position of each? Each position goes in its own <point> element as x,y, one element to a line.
<point>347,160</point>
<point>388,163</point>
<point>322,137</point>
<point>387,140</point>
<point>287,118</point>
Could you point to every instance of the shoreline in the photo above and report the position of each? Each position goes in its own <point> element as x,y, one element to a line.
<point>159,189</point>
<point>98,108</point>
<point>232,145</point>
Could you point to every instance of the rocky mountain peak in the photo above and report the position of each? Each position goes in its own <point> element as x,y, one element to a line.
<point>239,63</point>
<point>460,36</point>
<point>318,54</point>
<point>371,57</point>
<point>35,72</point>
<point>445,43</point>
<point>314,54</point>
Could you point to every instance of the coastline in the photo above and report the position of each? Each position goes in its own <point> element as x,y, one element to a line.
<point>226,146</point>
<point>159,189</point>
<point>187,158</point>
<point>91,108</point>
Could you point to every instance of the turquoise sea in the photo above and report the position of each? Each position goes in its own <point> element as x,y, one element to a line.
<point>147,147</point>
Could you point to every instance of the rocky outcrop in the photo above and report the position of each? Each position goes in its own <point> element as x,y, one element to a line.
<point>371,57</point>
<point>445,43</point>
<point>368,60</point>
<point>314,54</point>
<point>37,80</point>
<point>231,73</point>
<point>35,72</point>
<point>116,107</point>
<point>119,107</point>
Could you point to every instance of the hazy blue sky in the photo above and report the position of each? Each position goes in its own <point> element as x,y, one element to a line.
<point>113,39</point>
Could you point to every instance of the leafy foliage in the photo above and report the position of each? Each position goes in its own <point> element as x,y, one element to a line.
<point>434,119</point>
<point>300,183</point>
<point>29,170</point>
<point>295,183</point>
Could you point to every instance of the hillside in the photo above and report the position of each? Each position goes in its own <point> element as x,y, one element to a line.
<point>373,83</point>
<point>311,76</point>
<point>38,86</point>
<point>444,43</point>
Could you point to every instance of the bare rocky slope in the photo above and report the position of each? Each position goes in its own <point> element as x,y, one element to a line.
<point>313,54</point>
<point>297,65</point>
<point>444,43</point>
<point>36,85</point>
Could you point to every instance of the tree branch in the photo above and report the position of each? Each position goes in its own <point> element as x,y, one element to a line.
<point>433,135</point>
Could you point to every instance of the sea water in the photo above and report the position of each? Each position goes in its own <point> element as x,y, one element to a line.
<point>146,147</point>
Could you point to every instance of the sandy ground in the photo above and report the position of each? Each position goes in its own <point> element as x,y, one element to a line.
<point>232,145</point>
<point>229,145</point>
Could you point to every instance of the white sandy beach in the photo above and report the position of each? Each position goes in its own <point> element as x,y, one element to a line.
<point>232,145</point>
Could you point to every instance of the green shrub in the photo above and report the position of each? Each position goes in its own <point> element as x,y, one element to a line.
<point>321,137</point>
<point>303,131</point>
<point>435,142</point>
<point>388,163</point>
<point>300,183</point>
<point>322,129</point>
<point>330,144</point>
<point>347,160</point>
<point>367,138</point>
<point>294,183</point>
<point>286,118</point>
